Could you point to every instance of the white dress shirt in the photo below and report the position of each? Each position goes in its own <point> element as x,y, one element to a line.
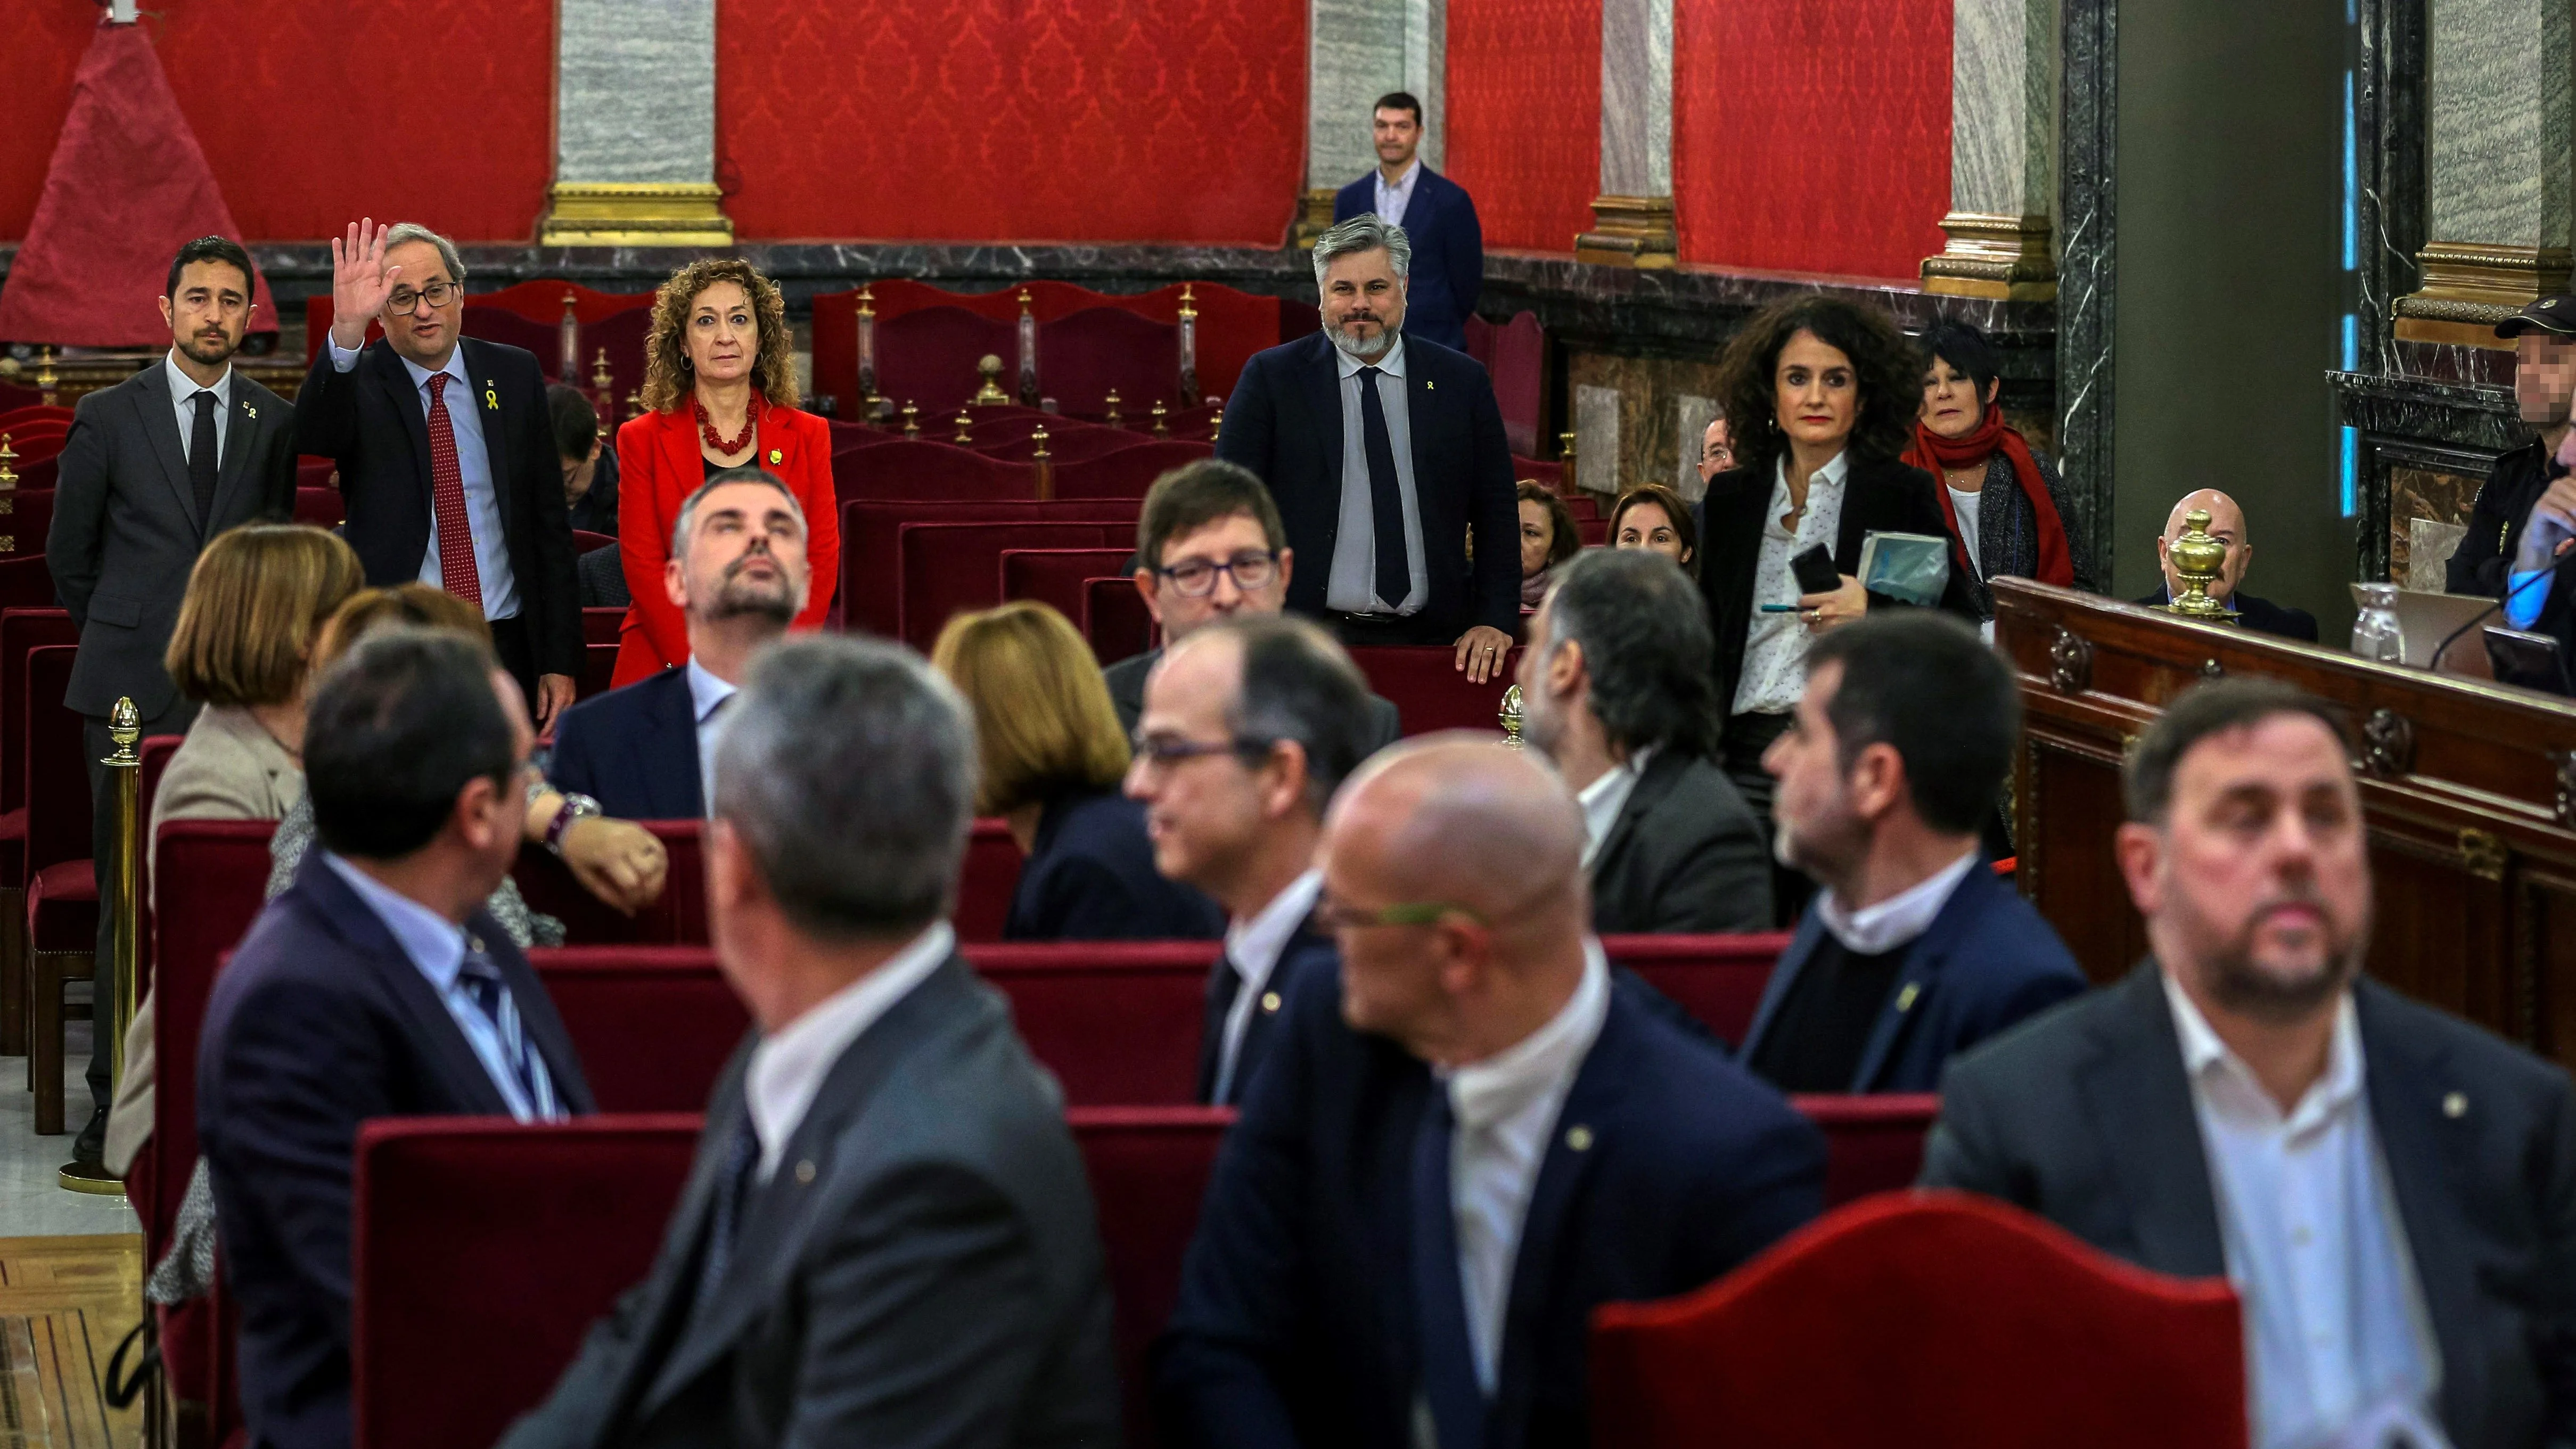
<point>1253,948</point>
<point>183,401</point>
<point>1775,645</point>
<point>788,1067</point>
<point>1351,583</point>
<point>474,466</point>
<point>1875,930</point>
<point>2337,1350</point>
<point>1964,506</point>
<point>707,694</point>
<point>1506,1108</point>
<point>436,947</point>
<point>1603,799</point>
<point>1394,198</point>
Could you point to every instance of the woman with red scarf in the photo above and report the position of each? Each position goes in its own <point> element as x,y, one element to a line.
<point>2006,507</point>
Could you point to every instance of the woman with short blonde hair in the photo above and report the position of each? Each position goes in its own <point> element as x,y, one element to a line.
<point>1051,759</point>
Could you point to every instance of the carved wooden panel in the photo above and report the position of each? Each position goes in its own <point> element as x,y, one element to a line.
<point>2067,865</point>
<point>2545,952</point>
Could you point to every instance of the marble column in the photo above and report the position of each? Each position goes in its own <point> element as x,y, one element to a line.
<point>1357,51</point>
<point>635,126</point>
<point>2497,177</point>
<point>1632,218</point>
<point>2003,140</point>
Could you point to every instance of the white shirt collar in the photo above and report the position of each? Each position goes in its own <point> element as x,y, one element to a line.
<point>706,691</point>
<point>2207,1060</point>
<point>1603,799</point>
<point>1829,476</point>
<point>1254,945</point>
<point>1873,930</point>
<point>455,368</point>
<point>1539,1065</point>
<point>789,1065</point>
<point>183,387</point>
<point>1392,364</point>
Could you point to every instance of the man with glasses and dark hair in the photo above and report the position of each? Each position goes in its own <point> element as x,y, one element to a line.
<point>1250,725</point>
<point>446,447</point>
<point>1209,546</point>
<point>1463,1142</point>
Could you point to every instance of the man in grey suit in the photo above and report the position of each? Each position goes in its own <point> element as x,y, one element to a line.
<point>151,469</point>
<point>1616,692</point>
<point>887,1238</point>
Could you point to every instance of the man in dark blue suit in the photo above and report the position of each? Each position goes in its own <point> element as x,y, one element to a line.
<point>1462,1144</point>
<point>1448,243</point>
<point>1386,456</point>
<point>738,574</point>
<point>376,986</point>
<point>1913,950</point>
<point>1250,724</point>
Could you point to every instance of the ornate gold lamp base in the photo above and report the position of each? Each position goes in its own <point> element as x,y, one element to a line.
<point>635,214</point>
<point>2199,558</point>
<point>90,1177</point>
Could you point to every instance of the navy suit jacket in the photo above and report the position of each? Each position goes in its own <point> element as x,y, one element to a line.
<point>1284,422</point>
<point>1448,268</point>
<point>1988,961</point>
<point>1296,1317</point>
<point>1090,877</point>
<point>1307,952</point>
<point>634,750</point>
<point>320,1024</point>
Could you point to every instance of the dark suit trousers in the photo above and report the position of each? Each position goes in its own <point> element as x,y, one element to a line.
<point>518,655</point>
<point>1746,737</point>
<point>1364,631</point>
<point>102,841</point>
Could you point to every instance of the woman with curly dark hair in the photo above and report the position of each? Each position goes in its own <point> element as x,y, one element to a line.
<point>1548,537</point>
<point>1820,398</point>
<point>719,392</point>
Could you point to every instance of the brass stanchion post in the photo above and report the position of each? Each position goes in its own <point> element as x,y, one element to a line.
<point>112,993</point>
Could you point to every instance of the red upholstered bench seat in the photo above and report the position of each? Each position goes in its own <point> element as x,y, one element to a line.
<point>62,908</point>
<point>1429,693</point>
<point>1873,1144</point>
<point>949,568</point>
<point>871,594</point>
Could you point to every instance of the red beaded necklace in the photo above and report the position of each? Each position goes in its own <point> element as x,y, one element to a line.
<point>718,443</point>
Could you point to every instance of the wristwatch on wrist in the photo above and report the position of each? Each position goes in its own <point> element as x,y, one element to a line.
<point>574,807</point>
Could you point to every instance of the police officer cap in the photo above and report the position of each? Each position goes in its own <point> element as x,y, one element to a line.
<point>2549,314</point>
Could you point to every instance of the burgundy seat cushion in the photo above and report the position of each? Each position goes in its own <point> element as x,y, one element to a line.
<point>62,908</point>
<point>1116,1021</point>
<point>1873,1143</point>
<point>1718,979</point>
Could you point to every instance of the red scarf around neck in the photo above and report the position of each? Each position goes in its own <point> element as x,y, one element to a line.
<point>1933,453</point>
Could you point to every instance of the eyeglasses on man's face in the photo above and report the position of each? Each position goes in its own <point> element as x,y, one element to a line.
<point>1196,577</point>
<point>1162,752</point>
<point>436,294</point>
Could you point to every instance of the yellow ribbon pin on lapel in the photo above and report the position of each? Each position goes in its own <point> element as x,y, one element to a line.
<point>775,456</point>
<point>491,397</point>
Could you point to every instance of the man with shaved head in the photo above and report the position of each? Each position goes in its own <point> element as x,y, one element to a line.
<point>2227,525</point>
<point>1474,1115</point>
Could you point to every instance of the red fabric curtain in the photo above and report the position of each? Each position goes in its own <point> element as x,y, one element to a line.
<point>1025,120</point>
<point>1524,127</point>
<point>1812,138</point>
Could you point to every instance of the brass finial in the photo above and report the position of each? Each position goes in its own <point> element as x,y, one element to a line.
<point>1038,437</point>
<point>125,727</point>
<point>1113,407</point>
<point>45,378</point>
<point>634,404</point>
<point>2199,559</point>
<point>1024,301</point>
<point>1511,716</point>
<point>1162,429</point>
<point>8,455</point>
<point>911,421</point>
<point>1216,423</point>
<point>991,392</point>
<point>867,300</point>
<point>601,378</point>
<point>1188,308</point>
<point>964,422</point>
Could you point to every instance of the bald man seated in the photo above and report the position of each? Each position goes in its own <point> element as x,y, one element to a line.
<point>2227,525</point>
<point>1463,1141</point>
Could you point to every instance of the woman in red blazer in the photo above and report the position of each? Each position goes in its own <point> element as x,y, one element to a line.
<point>719,392</point>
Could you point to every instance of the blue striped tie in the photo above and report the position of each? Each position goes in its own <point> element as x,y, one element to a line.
<point>484,986</point>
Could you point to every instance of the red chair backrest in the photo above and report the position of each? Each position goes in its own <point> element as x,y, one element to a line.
<point>1593,532</point>
<point>1055,576</point>
<point>501,324</point>
<point>928,357</point>
<point>602,626</point>
<point>947,568</point>
<point>1116,1021</point>
<point>1429,692</point>
<point>26,583</point>
<point>984,887</point>
<point>155,752</point>
<point>1086,355</point>
<point>1934,1321</point>
<point>1551,474</point>
<point>22,630</point>
<point>39,476</point>
<point>871,554</point>
<point>16,418</point>
<point>929,469</point>
<point>677,918</point>
<point>25,515</point>
<point>314,472</point>
<point>322,507</point>
<point>1873,1144</point>
<point>212,881</point>
<point>57,772</point>
<point>1115,619</point>
<point>622,335</point>
<point>1128,472</point>
<point>1068,441</point>
<point>1718,979</point>
<point>1519,369</point>
<point>1149,1168</point>
<point>585,541</point>
<point>481,1250</point>
<point>598,671</point>
<point>653,1025</point>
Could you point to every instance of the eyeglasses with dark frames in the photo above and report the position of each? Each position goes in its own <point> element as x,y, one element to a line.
<point>1195,578</point>
<point>1165,751</point>
<point>436,294</point>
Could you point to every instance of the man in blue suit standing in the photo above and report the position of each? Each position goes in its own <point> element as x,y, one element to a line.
<point>1463,1142</point>
<point>738,574</point>
<point>1913,951</point>
<point>1448,244</point>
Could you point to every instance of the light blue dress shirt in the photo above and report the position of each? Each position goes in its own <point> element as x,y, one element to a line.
<point>465,409</point>
<point>1350,583</point>
<point>707,695</point>
<point>436,947</point>
<point>183,401</point>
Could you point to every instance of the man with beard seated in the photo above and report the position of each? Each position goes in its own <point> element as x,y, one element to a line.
<point>738,574</point>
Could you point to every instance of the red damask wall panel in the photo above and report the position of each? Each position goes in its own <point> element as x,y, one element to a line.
<point>1524,130</point>
<point>1023,120</point>
<point>1811,137</point>
<point>40,46</point>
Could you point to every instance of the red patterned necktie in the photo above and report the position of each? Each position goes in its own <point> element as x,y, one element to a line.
<point>456,571</point>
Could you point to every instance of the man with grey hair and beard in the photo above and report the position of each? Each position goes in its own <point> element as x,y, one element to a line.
<point>1386,456</point>
<point>2392,1190</point>
<point>887,1238</point>
<point>738,574</point>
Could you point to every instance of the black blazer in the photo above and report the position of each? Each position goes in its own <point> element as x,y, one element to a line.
<point>1880,495</point>
<point>1448,269</point>
<point>1127,693</point>
<point>1307,952</point>
<point>1284,422</point>
<point>2485,555</point>
<point>2084,1116</point>
<point>321,1024</point>
<point>1090,877</point>
<point>1685,854</point>
<point>923,1268</point>
<point>126,531</point>
<point>2260,615</point>
<point>634,750</point>
<point>370,421</point>
<point>1296,1316</point>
